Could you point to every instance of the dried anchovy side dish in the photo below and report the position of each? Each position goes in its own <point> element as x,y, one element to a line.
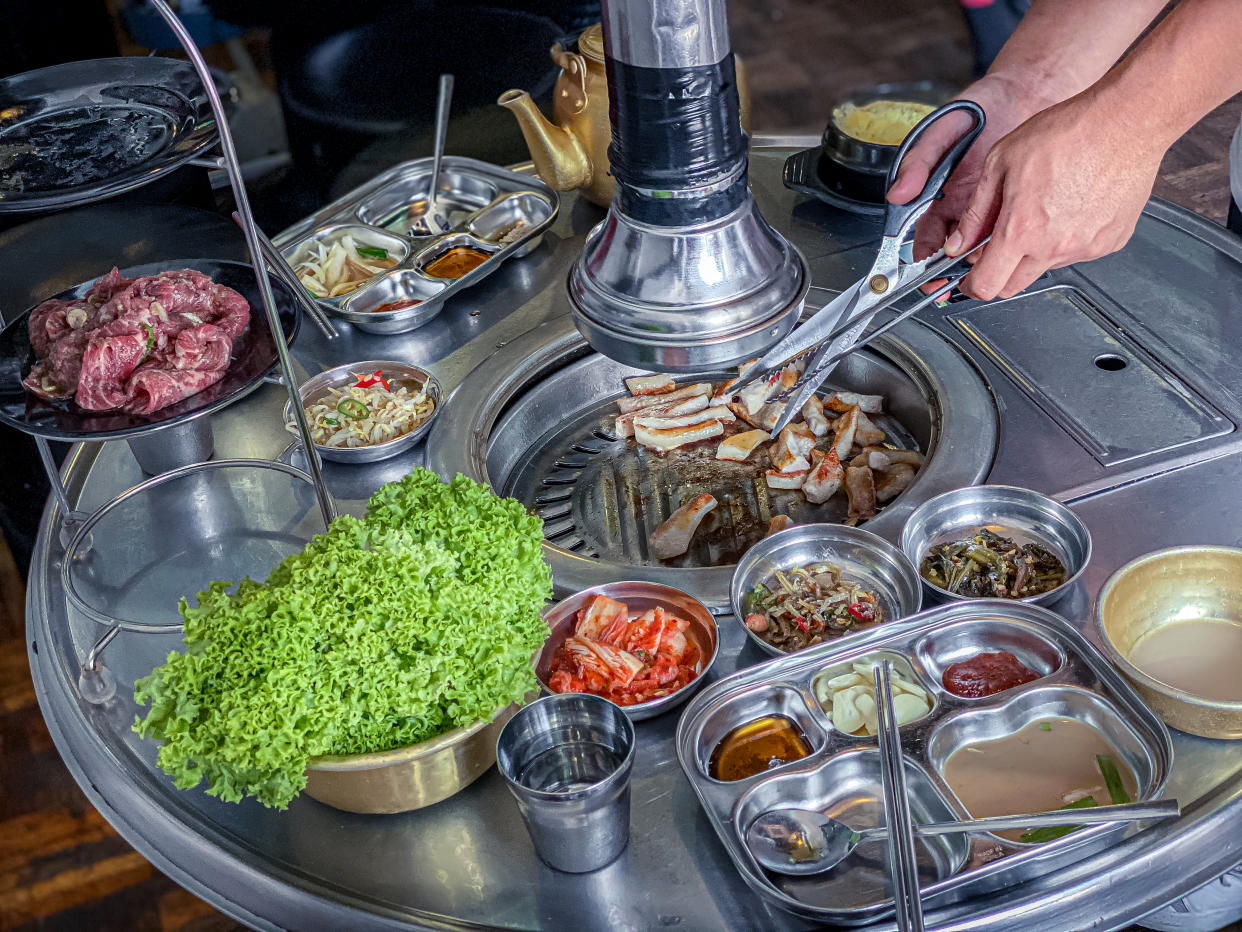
<point>808,605</point>
<point>367,413</point>
<point>986,565</point>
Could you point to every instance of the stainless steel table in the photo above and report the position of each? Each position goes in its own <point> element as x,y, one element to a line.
<point>1148,461</point>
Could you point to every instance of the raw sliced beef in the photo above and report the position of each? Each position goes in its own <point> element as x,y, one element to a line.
<point>140,344</point>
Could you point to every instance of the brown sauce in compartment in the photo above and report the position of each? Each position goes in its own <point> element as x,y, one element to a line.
<point>400,305</point>
<point>1044,766</point>
<point>986,674</point>
<point>757,746</point>
<point>456,262</point>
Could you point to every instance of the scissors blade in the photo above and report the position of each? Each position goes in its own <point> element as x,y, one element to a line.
<point>804,338</point>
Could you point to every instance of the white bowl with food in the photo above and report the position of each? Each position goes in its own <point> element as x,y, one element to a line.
<point>366,411</point>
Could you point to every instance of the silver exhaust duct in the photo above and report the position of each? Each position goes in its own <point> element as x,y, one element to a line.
<point>683,275</point>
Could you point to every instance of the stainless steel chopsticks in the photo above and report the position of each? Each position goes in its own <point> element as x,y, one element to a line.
<point>902,864</point>
<point>281,269</point>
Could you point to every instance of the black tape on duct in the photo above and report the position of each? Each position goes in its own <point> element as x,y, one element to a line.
<point>675,129</point>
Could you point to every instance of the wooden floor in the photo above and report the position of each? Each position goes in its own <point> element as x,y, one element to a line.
<point>63,868</point>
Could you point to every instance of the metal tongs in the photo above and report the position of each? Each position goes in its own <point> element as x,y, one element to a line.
<point>837,329</point>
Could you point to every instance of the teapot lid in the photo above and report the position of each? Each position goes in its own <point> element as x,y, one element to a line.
<point>591,42</point>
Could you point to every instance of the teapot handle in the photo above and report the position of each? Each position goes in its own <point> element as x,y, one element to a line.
<point>574,70</point>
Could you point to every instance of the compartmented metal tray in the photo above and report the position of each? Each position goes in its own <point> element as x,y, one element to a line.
<point>841,775</point>
<point>499,212</point>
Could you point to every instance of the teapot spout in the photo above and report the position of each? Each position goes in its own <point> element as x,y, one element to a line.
<point>559,156</point>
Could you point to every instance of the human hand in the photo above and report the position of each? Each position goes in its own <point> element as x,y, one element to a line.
<point>1005,106</point>
<point>1066,186</point>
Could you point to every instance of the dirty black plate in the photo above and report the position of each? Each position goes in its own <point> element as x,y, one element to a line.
<point>254,355</point>
<point>78,132</point>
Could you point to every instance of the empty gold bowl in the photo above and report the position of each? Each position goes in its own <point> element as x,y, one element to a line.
<point>1162,588</point>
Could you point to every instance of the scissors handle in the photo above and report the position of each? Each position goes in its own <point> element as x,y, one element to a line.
<point>897,216</point>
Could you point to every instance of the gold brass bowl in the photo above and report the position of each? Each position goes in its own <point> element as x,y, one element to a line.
<point>411,777</point>
<point>1161,588</point>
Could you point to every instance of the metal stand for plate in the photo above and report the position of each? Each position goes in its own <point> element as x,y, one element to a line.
<point>96,683</point>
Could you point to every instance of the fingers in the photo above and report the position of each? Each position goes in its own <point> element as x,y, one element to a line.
<point>980,214</point>
<point>997,262</point>
<point>924,155</point>
<point>930,233</point>
<point>1024,275</point>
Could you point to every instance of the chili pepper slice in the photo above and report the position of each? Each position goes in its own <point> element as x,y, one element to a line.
<point>802,624</point>
<point>352,407</point>
<point>861,611</point>
<point>369,380</point>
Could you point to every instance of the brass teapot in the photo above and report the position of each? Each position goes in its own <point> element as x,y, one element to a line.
<point>571,151</point>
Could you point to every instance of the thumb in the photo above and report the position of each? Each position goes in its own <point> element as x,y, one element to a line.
<point>979,216</point>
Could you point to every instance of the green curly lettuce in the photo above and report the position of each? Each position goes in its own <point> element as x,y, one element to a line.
<point>383,632</point>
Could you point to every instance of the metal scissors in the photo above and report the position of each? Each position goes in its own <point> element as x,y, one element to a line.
<point>836,330</point>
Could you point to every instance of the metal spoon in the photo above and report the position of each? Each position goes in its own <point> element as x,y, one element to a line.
<point>435,220</point>
<point>802,841</point>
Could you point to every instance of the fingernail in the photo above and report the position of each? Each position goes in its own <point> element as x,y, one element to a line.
<point>954,243</point>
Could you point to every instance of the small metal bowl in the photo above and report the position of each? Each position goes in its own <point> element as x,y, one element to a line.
<point>638,597</point>
<point>1006,509</point>
<point>865,557</point>
<point>394,371</point>
<point>1162,588</point>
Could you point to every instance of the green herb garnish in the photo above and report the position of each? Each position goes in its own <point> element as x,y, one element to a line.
<point>1046,726</point>
<point>1112,779</point>
<point>150,339</point>
<point>371,252</point>
<point>1052,832</point>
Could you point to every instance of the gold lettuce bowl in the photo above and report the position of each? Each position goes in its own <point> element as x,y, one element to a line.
<point>410,777</point>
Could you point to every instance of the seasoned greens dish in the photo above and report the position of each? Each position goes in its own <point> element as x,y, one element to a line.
<point>382,633</point>
<point>986,565</point>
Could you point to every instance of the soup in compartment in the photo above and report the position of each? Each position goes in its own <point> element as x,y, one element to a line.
<point>1052,763</point>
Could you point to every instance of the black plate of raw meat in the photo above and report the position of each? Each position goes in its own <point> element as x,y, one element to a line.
<point>254,355</point>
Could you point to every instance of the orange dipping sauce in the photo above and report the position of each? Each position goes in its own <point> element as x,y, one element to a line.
<point>396,305</point>
<point>456,262</point>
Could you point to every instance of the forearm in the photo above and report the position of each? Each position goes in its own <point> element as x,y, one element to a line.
<point>1062,47</point>
<point>1190,64</point>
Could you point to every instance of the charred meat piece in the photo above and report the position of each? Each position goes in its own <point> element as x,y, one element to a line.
<point>663,440</point>
<point>663,422</point>
<point>843,401</point>
<point>672,538</point>
<point>634,402</point>
<point>739,447</point>
<point>778,524</point>
<point>784,480</point>
<point>813,414</point>
<point>866,432</point>
<point>860,487</point>
<point>724,392</point>
<point>847,426</point>
<point>825,477</point>
<point>624,424</point>
<point>893,481</point>
<point>797,439</point>
<point>657,384</point>
<point>765,418</point>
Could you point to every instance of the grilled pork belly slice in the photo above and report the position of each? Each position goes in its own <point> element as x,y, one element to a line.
<point>663,422</point>
<point>723,392</point>
<point>624,424</point>
<point>866,432</point>
<point>843,401</point>
<point>778,523</point>
<point>665,439</point>
<point>860,487</point>
<point>813,414</point>
<point>847,426</point>
<point>672,538</point>
<point>825,477</point>
<point>893,481</point>
<point>764,419</point>
<point>783,460</point>
<point>797,439</point>
<point>739,447</point>
<point>634,402</point>
<point>784,480</point>
<point>657,384</point>
<point>883,458</point>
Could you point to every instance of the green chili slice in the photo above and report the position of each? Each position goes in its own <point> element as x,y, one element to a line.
<point>352,407</point>
<point>371,252</point>
<point>1112,779</point>
<point>1052,832</point>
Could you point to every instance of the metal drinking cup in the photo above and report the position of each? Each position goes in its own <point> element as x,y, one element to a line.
<point>567,759</point>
